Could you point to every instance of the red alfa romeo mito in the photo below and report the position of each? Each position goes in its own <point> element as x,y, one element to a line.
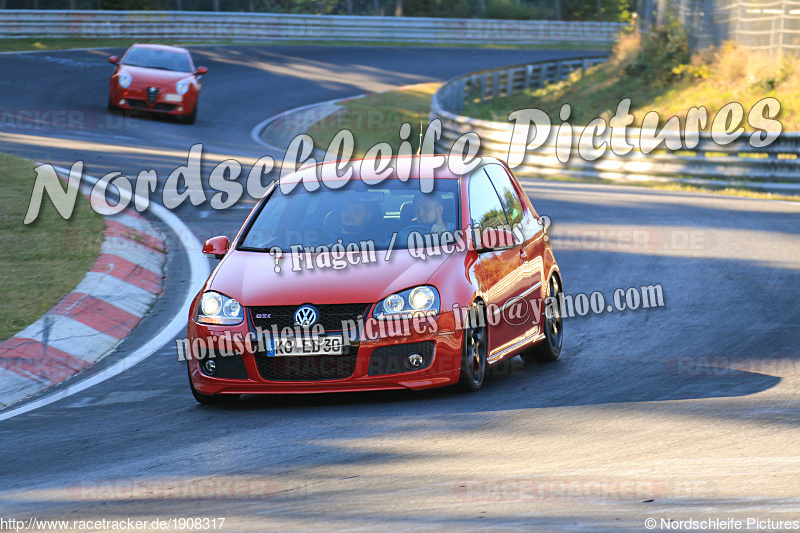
<point>157,79</point>
<point>413,280</point>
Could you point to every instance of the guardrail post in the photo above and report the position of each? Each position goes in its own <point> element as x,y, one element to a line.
<point>461,94</point>
<point>484,92</point>
<point>510,81</point>
<point>496,84</point>
<point>527,83</point>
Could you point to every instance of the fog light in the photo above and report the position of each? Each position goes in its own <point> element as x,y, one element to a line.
<point>122,102</point>
<point>211,367</point>
<point>180,108</point>
<point>414,360</point>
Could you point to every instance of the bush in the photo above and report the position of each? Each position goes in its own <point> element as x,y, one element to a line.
<point>510,10</point>
<point>663,50</point>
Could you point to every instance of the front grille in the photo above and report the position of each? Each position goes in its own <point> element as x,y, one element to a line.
<point>307,368</point>
<point>138,104</point>
<point>164,107</point>
<point>152,94</point>
<point>330,316</point>
<point>393,359</point>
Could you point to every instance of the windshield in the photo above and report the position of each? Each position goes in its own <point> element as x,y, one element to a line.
<point>155,58</point>
<point>353,214</point>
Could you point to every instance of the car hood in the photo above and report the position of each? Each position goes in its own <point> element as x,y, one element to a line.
<point>250,278</point>
<point>153,75</point>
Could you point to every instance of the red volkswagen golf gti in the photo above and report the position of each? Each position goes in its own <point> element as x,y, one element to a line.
<point>357,283</point>
<point>158,79</point>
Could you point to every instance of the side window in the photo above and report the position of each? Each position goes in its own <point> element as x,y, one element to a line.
<point>508,195</point>
<point>484,206</point>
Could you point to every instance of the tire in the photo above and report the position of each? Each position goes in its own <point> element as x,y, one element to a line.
<point>549,349</point>
<point>473,355</point>
<point>191,117</point>
<point>210,399</point>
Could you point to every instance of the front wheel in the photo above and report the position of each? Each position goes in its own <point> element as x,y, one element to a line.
<point>473,359</point>
<point>191,117</point>
<point>549,349</point>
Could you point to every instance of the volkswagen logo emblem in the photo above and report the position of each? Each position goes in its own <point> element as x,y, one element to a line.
<point>305,315</point>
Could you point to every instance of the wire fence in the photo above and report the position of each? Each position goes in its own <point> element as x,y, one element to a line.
<point>766,25</point>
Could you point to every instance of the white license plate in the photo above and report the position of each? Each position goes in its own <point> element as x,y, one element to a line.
<point>300,346</point>
<point>173,98</point>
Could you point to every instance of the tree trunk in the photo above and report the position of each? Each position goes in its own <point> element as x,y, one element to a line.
<point>398,8</point>
<point>251,6</point>
<point>600,10</point>
<point>557,6</point>
<point>377,8</point>
<point>216,5</point>
<point>178,5</point>
<point>349,7</point>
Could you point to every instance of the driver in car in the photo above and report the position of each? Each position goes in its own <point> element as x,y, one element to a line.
<point>355,217</point>
<point>428,209</point>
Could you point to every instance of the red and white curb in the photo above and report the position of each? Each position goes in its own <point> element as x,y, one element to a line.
<point>90,321</point>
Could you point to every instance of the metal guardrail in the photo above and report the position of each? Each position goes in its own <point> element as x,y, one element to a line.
<point>775,167</point>
<point>216,26</point>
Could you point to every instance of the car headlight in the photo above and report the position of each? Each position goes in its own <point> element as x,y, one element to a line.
<point>182,87</point>
<point>418,300</point>
<point>216,308</point>
<point>124,80</point>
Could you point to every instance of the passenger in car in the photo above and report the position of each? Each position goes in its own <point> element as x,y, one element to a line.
<point>428,209</point>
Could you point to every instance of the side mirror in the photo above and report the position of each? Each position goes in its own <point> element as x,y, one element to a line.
<point>202,70</point>
<point>216,247</point>
<point>113,60</point>
<point>495,239</point>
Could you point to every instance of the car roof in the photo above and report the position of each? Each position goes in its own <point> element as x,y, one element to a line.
<point>331,169</point>
<point>165,47</point>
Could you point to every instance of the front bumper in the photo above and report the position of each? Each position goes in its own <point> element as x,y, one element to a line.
<point>377,364</point>
<point>165,102</point>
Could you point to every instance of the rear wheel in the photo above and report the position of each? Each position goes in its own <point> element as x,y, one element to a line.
<point>549,349</point>
<point>473,359</point>
<point>210,399</point>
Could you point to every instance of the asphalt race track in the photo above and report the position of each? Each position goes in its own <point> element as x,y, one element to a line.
<point>688,411</point>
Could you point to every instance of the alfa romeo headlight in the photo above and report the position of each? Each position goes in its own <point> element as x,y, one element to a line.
<point>418,300</point>
<point>217,308</point>
<point>182,86</point>
<point>124,80</point>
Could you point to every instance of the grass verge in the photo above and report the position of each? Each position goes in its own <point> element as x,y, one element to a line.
<point>377,118</point>
<point>45,260</point>
<point>711,78</point>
